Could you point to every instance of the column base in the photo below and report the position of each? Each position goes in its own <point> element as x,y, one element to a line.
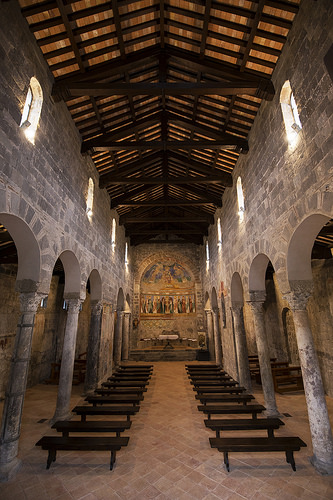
<point>272,414</point>
<point>8,471</point>
<point>57,418</point>
<point>324,468</point>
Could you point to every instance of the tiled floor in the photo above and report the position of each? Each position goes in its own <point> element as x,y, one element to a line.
<point>168,456</point>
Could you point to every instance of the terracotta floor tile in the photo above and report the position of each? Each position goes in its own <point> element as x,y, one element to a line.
<point>168,456</point>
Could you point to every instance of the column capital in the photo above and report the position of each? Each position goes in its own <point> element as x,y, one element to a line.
<point>127,313</point>
<point>30,301</point>
<point>208,312</point>
<point>257,296</point>
<point>74,305</point>
<point>299,294</point>
<point>96,307</point>
<point>237,307</point>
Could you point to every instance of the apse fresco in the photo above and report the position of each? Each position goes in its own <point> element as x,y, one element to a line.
<point>167,289</point>
<point>167,304</point>
<point>174,275</point>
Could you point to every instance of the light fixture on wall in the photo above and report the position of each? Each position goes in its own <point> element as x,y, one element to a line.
<point>43,303</point>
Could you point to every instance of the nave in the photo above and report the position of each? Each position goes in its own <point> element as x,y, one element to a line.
<point>168,455</point>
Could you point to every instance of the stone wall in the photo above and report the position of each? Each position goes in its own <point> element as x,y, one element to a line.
<point>44,187</point>
<point>282,187</point>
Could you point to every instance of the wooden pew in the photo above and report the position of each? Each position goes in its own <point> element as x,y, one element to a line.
<point>128,378</point>
<point>219,390</point>
<point>67,426</point>
<point>257,444</point>
<point>224,398</point>
<point>55,443</point>
<point>116,399</point>
<point>210,377</point>
<point>85,410</point>
<point>120,390</point>
<point>214,383</point>
<point>287,379</point>
<point>244,424</point>
<point>138,366</point>
<point>124,383</point>
<point>228,409</point>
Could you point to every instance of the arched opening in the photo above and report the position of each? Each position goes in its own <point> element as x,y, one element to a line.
<point>309,260</point>
<point>32,110</point>
<point>290,114</point>
<point>19,271</point>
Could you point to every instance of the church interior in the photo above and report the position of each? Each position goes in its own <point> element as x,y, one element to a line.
<point>166,239</point>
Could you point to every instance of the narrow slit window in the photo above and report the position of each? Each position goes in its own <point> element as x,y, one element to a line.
<point>290,114</point>
<point>240,199</point>
<point>90,198</point>
<point>113,235</point>
<point>32,110</point>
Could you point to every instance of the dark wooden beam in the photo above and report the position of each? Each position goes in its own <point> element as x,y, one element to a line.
<point>164,203</point>
<point>165,231</point>
<point>131,167</point>
<point>126,219</point>
<point>212,179</point>
<point>234,87</point>
<point>194,165</point>
<point>230,142</point>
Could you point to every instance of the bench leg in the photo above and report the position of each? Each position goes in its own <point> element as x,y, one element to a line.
<point>270,433</point>
<point>51,458</point>
<point>83,418</point>
<point>290,459</point>
<point>218,435</point>
<point>112,459</point>
<point>226,460</point>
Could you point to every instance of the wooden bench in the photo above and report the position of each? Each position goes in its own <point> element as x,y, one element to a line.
<point>55,443</point>
<point>120,390</point>
<point>202,367</point>
<point>210,377</point>
<point>67,426</point>
<point>287,379</point>
<point>128,378</point>
<point>244,424</point>
<point>116,399</point>
<point>224,398</point>
<point>105,410</point>
<point>124,383</point>
<point>228,409</point>
<point>255,444</point>
<point>219,390</point>
<point>213,383</point>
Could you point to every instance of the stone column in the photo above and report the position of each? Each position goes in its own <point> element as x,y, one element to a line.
<point>62,411</point>
<point>126,336</point>
<point>217,337</point>
<point>14,399</point>
<point>241,348</point>
<point>118,338</point>
<point>210,338</point>
<point>94,340</point>
<point>321,434</point>
<point>256,304</point>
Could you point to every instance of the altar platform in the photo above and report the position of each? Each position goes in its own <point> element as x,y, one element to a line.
<point>159,353</point>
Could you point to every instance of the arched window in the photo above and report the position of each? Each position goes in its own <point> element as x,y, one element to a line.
<point>240,199</point>
<point>219,232</point>
<point>126,253</point>
<point>32,110</point>
<point>207,255</point>
<point>113,235</point>
<point>90,198</point>
<point>290,114</point>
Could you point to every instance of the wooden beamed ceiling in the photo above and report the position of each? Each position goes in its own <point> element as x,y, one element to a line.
<point>164,94</point>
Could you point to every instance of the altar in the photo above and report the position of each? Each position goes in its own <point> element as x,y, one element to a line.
<point>168,338</point>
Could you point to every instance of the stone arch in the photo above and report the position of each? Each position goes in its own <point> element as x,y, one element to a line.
<point>127,302</point>
<point>95,285</point>
<point>72,274</point>
<point>236,289</point>
<point>208,304</point>
<point>120,300</point>
<point>300,247</point>
<point>28,251</point>
<point>214,298</point>
<point>257,273</point>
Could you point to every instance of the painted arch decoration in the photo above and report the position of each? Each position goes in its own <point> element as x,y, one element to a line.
<point>167,289</point>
